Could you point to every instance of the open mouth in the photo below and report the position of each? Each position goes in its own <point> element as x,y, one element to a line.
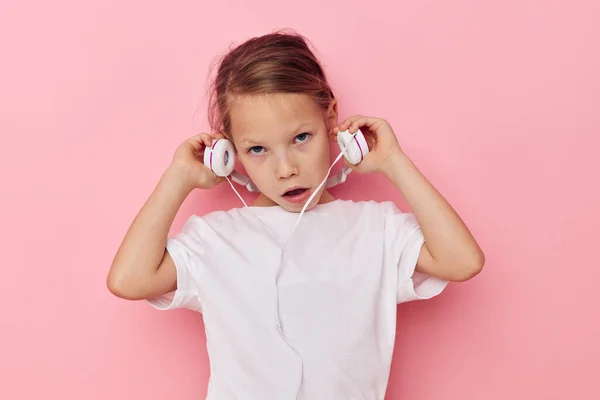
<point>297,195</point>
<point>295,192</point>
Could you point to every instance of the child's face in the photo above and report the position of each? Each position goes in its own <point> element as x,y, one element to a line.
<point>283,142</point>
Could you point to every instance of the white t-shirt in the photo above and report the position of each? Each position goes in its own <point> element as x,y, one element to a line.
<point>345,269</point>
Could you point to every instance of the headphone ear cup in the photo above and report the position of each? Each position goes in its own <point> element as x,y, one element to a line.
<point>355,146</point>
<point>220,157</point>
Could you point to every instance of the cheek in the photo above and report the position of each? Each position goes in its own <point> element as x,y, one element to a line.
<point>322,155</point>
<point>254,167</point>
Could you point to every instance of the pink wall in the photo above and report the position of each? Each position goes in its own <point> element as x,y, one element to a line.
<point>497,102</point>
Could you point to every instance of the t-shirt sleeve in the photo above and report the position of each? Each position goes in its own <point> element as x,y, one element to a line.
<point>403,243</point>
<point>185,250</point>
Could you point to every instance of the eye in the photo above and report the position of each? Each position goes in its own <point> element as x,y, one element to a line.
<point>256,150</point>
<point>303,137</point>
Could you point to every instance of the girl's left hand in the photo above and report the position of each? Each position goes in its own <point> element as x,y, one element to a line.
<point>382,141</point>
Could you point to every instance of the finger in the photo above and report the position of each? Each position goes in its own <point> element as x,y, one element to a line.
<point>333,132</point>
<point>369,127</point>
<point>196,142</point>
<point>351,166</point>
<point>207,139</point>
<point>367,122</point>
<point>346,124</point>
<point>199,139</point>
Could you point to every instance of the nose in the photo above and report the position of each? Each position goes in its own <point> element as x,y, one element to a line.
<point>286,166</point>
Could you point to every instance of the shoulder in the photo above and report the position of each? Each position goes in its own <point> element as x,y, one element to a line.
<point>216,220</point>
<point>215,230</point>
<point>370,207</point>
<point>349,213</point>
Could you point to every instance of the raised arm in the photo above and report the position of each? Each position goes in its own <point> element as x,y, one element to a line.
<point>142,268</point>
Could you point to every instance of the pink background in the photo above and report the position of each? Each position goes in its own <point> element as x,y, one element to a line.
<point>498,103</point>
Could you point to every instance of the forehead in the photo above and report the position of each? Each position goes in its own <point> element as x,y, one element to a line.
<point>272,114</point>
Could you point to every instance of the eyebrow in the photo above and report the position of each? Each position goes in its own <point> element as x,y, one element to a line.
<point>249,142</point>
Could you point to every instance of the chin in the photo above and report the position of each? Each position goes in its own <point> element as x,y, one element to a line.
<point>297,208</point>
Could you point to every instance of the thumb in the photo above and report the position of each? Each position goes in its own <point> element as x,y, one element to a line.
<point>349,165</point>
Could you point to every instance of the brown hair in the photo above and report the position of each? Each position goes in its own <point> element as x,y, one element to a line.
<point>278,62</point>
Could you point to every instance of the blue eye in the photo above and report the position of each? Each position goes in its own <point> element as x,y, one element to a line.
<point>256,150</point>
<point>303,137</point>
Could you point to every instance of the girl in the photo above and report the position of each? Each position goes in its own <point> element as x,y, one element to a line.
<point>292,311</point>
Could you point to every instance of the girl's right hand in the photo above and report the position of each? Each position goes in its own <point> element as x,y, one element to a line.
<point>188,162</point>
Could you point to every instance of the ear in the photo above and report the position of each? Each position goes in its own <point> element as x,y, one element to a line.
<point>331,118</point>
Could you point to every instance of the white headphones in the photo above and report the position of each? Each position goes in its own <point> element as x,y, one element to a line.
<point>220,159</point>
